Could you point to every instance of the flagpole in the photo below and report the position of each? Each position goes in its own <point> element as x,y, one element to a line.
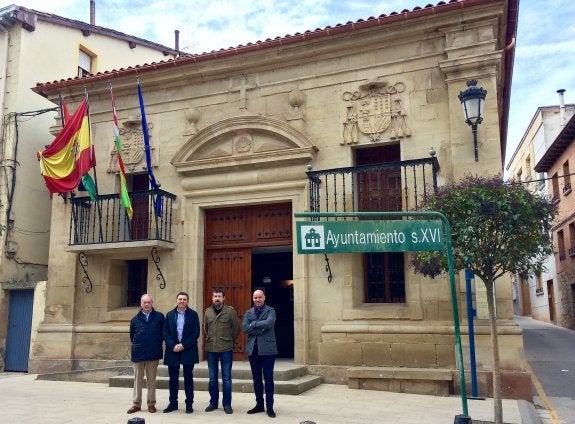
<point>91,145</point>
<point>123,194</point>
<point>155,186</point>
<point>98,204</point>
<point>61,109</point>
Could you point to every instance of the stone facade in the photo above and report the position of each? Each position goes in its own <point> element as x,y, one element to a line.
<point>242,126</point>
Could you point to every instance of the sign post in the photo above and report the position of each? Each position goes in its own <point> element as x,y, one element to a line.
<point>433,233</point>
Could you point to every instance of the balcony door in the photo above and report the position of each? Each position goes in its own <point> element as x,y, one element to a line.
<point>140,206</point>
<point>381,190</point>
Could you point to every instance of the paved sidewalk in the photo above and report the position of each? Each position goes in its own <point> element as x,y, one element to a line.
<point>26,400</point>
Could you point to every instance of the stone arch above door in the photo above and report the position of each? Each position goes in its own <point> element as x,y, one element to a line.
<point>243,142</point>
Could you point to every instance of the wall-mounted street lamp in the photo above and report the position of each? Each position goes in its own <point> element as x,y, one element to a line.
<point>473,101</point>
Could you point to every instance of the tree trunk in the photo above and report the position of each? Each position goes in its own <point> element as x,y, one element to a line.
<point>497,406</point>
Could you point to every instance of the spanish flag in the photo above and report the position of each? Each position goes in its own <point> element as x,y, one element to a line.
<point>70,155</point>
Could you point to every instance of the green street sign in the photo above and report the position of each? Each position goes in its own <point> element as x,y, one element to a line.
<point>369,236</point>
<point>385,236</point>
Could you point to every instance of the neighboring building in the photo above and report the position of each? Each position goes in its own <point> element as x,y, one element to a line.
<point>37,46</point>
<point>558,162</point>
<point>361,116</point>
<point>538,294</point>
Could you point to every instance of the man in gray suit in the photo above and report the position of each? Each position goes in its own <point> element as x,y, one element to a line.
<point>258,324</point>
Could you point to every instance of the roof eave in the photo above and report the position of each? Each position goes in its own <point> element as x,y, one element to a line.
<point>556,149</point>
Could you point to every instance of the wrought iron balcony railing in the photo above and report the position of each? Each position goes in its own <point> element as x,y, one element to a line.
<point>106,220</point>
<point>392,186</point>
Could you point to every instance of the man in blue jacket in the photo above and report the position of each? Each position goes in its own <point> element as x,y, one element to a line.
<point>147,349</point>
<point>181,332</point>
<point>258,324</point>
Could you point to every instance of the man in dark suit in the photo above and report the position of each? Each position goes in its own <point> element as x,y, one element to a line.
<point>147,349</point>
<point>181,332</point>
<point>258,324</point>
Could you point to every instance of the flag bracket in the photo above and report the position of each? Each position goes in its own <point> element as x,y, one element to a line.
<point>64,196</point>
<point>159,276</point>
<point>83,259</point>
<point>328,269</point>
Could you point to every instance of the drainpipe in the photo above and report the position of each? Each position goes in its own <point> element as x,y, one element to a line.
<point>4,66</point>
<point>3,73</point>
<point>562,119</point>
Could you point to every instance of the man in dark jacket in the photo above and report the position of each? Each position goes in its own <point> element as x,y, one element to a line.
<point>258,324</point>
<point>181,332</point>
<point>222,327</point>
<point>147,348</point>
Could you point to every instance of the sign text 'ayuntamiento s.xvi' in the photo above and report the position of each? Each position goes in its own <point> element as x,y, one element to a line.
<point>369,236</point>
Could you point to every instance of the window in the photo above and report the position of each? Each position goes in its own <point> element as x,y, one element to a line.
<point>561,245</point>
<point>384,277</point>
<point>572,239</point>
<point>555,185</point>
<point>539,281</point>
<point>84,65</point>
<point>381,190</point>
<point>566,179</point>
<point>137,281</point>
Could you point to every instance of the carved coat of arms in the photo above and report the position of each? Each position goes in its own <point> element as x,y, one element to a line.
<point>373,110</point>
<point>133,148</point>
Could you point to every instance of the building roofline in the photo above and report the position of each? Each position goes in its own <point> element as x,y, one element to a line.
<point>13,14</point>
<point>538,111</point>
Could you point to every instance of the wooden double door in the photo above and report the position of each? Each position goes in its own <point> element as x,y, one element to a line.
<point>232,237</point>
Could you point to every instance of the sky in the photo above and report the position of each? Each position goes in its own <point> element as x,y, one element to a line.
<point>544,55</point>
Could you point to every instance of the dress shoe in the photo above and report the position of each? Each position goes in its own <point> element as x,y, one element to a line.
<point>271,413</point>
<point>228,410</point>
<point>211,408</point>
<point>152,409</point>
<point>189,409</point>
<point>134,408</point>
<point>256,409</point>
<point>171,407</point>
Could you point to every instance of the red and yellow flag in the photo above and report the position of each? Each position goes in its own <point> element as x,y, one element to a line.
<point>70,155</point>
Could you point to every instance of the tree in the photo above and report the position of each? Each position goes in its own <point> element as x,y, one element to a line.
<point>497,228</point>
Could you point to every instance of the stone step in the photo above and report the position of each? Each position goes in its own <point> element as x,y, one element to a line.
<point>289,379</point>
<point>283,370</point>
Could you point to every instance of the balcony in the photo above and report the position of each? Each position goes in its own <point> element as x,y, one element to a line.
<point>103,225</point>
<point>392,186</point>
